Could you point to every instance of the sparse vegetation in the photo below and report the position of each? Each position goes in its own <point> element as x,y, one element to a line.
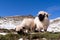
<point>9,37</point>
<point>47,35</point>
<point>7,31</point>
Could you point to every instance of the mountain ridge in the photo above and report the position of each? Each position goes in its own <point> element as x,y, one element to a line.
<point>10,22</point>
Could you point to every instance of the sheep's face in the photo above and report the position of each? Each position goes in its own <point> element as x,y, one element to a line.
<point>42,15</point>
<point>21,31</point>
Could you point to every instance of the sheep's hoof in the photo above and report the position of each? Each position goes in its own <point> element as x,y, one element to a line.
<point>45,30</point>
<point>41,31</point>
<point>36,31</point>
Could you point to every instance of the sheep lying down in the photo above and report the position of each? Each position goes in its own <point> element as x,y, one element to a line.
<point>26,25</point>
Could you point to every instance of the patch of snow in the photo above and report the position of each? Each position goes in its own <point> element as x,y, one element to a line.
<point>3,33</point>
<point>54,27</point>
<point>21,39</point>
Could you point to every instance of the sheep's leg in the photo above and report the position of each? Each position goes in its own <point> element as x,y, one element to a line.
<point>34,28</point>
<point>41,29</point>
<point>45,29</point>
<point>28,30</point>
<point>31,29</point>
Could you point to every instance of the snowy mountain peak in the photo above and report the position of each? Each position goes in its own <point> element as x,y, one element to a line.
<point>54,25</point>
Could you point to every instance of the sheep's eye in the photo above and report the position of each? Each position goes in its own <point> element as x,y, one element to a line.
<point>47,15</point>
<point>23,27</point>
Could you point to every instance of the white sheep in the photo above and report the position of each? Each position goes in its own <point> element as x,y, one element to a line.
<point>42,21</point>
<point>27,23</point>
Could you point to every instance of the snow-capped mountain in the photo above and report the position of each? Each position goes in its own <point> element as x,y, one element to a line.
<point>54,25</point>
<point>10,22</point>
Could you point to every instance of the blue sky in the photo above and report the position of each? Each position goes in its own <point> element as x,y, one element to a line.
<point>26,7</point>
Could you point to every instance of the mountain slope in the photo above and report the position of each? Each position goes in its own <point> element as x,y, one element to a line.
<point>11,22</point>
<point>54,25</point>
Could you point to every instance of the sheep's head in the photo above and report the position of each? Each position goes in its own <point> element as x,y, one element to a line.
<point>42,15</point>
